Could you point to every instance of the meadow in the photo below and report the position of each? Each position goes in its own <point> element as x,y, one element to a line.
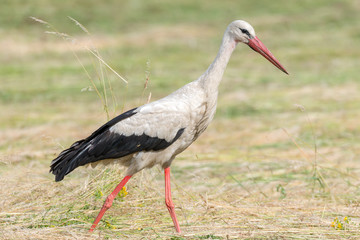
<point>279,161</point>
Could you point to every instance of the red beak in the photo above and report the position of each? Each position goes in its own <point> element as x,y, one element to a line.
<point>259,47</point>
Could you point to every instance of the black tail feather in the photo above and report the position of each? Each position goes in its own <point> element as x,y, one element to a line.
<point>77,154</point>
<point>61,165</point>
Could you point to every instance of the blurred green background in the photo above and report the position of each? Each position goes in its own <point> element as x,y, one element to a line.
<point>173,43</point>
<point>316,40</point>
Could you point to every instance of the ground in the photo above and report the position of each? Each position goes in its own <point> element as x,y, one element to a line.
<point>279,161</point>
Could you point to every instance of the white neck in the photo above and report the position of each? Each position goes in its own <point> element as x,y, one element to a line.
<point>211,79</point>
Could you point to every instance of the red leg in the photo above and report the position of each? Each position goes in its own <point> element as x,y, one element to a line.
<point>168,201</point>
<point>108,202</point>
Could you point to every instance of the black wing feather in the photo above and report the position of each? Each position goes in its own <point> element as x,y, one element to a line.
<point>104,144</point>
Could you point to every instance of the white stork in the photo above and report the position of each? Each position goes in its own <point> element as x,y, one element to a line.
<point>158,131</point>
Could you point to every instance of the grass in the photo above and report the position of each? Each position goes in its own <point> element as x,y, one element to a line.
<point>264,169</point>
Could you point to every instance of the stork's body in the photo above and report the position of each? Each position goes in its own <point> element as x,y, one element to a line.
<point>156,132</point>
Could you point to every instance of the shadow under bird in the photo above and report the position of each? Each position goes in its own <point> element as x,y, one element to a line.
<point>158,131</point>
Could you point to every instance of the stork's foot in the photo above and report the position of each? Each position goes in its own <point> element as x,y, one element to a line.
<point>108,202</point>
<point>170,206</point>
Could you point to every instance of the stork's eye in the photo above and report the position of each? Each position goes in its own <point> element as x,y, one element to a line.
<point>245,31</point>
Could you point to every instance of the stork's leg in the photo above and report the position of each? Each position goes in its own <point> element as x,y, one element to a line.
<point>108,202</point>
<point>168,201</point>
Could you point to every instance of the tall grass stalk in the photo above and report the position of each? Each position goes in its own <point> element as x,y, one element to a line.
<point>100,66</point>
<point>316,168</point>
<point>147,79</point>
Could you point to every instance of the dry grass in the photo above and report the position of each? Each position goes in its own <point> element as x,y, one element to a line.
<point>227,193</point>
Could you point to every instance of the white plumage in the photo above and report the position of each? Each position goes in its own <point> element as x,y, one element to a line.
<point>156,132</point>
<point>163,119</point>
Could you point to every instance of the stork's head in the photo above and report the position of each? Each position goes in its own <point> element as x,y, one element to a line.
<point>242,31</point>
